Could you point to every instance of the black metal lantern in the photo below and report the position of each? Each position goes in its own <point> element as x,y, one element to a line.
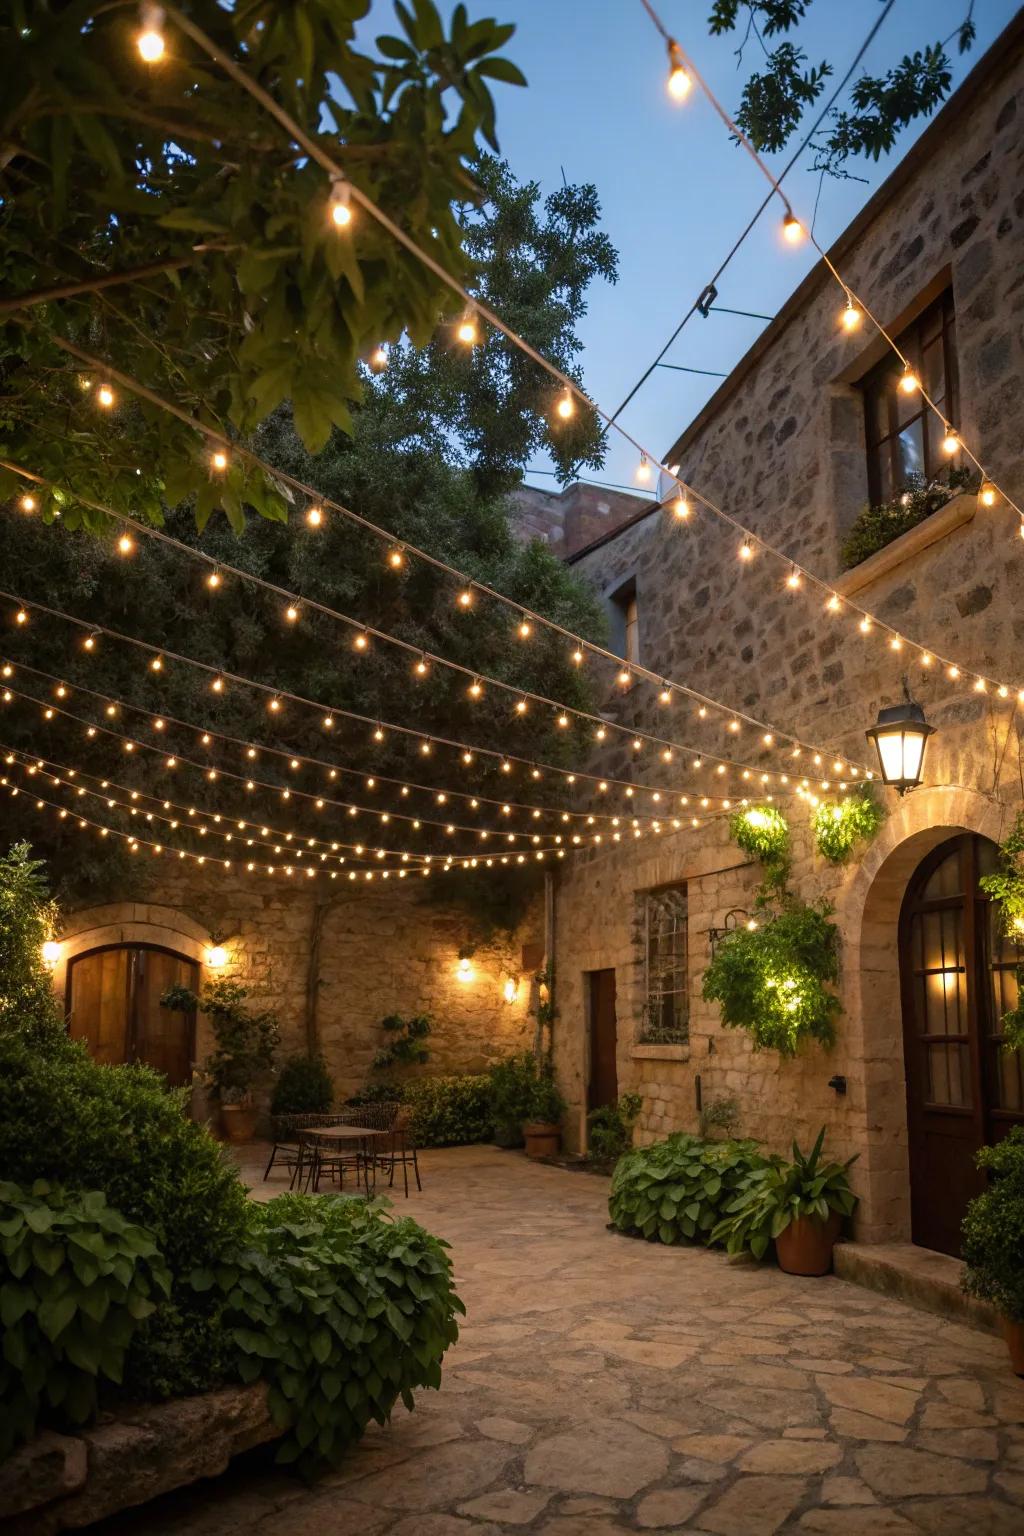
<point>899,736</point>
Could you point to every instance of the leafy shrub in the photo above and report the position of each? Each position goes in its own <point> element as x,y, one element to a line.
<point>776,1194</point>
<point>676,1190</point>
<point>342,1309</point>
<point>993,1229</point>
<point>245,1041</point>
<point>449,1111</point>
<point>875,527</point>
<point>1006,887</point>
<point>610,1128</point>
<point>839,826</point>
<point>763,832</point>
<point>76,1279</point>
<point>512,1083</point>
<point>27,919</point>
<point>303,1087</point>
<point>773,980</point>
<point>405,1043</point>
<point>68,1120</point>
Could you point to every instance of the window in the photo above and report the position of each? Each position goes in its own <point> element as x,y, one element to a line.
<point>666,1007</point>
<point>904,437</point>
<point>626,617</point>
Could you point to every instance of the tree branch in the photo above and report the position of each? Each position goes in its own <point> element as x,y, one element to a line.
<point>70,290</point>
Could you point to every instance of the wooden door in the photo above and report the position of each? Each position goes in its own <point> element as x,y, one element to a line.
<point>603,1086</point>
<point>958,977</point>
<point>114,1005</point>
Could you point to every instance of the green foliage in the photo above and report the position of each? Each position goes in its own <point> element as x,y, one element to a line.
<point>719,1115</point>
<point>523,1088</point>
<point>776,96</point>
<point>993,1229</point>
<point>840,825</point>
<point>763,832</point>
<point>76,1280</point>
<point>119,1130</point>
<point>112,166</point>
<point>773,981</point>
<point>404,1045</point>
<point>27,919</point>
<point>676,1190</point>
<point>449,1111</point>
<point>1006,888</point>
<point>875,527</point>
<point>610,1128</point>
<point>245,1042</point>
<point>303,1087</point>
<point>777,1193</point>
<point>342,1309</point>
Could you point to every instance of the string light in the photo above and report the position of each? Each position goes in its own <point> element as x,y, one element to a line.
<point>213,581</point>
<point>105,396</point>
<point>396,559</point>
<point>28,502</point>
<point>746,552</point>
<point>951,441</point>
<point>679,81</point>
<point>465,598</point>
<point>987,494</point>
<point>125,544</point>
<point>361,641</point>
<point>792,229</point>
<point>150,40</point>
<point>157,664</point>
<point>566,406</point>
<point>793,580</point>
<point>340,202</point>
<point>525,629</point>
<point>643,470</point>
<point>314,516</point>
<point>466,330</point>
<point>379,357</point>
<point>291,613</point>
<point>680,506</point>
<point>219,461</point>
<point>909,381</point>
<point>851,316</point>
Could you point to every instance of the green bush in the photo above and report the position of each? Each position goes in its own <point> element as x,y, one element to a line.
<point>523,1088</point>
<point>993,1229</point>
<point>449,1111</point>
<point>875,527</point>
<point>68,1120</point>
<point>303,1087</point>
<point>776,1194</point>
<point>27,919</point>
<point>840,825</point>
<point>245,1041</point>
<point>763,832</point>
<point>610,1128</point>
<point>76,1279</point>
<point>676,1190</point>
<point>342,1309</point>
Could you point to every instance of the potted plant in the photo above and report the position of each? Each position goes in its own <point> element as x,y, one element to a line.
<point>542,1129</point>
<point>245,1044</point>
<point>512,1083</point>
<point>610,1129</point>
<point>993,1240</point>
<point>800,1205</point>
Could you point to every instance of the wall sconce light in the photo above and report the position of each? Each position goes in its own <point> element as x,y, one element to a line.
<point>510,991</point>
<point>464,969</point>
<point>51,953</point>
<point>216,956</point>
<point>899,738</point>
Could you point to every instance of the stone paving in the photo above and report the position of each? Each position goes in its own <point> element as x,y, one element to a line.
<point>605,1385</point>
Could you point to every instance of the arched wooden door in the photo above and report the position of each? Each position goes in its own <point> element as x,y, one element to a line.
<point>113,1000</point>
<point>958,978</point>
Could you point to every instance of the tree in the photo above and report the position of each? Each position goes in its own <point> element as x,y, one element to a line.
<point>777,97</point>
<point>236,289</point>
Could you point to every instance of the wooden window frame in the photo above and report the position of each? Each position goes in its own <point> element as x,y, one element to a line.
<point>880,389</point>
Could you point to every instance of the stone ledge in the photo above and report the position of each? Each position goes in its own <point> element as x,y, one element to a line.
<point>883,562</point>
<point>918,1276</point>
<point>63,1482</point>
<point>659,1053</point>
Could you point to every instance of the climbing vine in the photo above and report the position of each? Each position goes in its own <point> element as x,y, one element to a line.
<point>1006,888</point>
<point>763,832</point>
<point>839,826</point>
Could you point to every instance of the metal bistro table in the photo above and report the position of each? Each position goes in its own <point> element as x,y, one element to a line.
<point>315,1141</point>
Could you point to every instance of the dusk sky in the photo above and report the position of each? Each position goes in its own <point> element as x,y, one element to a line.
<point>675,192</point>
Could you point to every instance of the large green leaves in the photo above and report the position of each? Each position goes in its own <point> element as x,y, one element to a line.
<point>675,1190</point>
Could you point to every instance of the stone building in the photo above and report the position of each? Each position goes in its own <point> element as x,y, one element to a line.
<point>794,443</point>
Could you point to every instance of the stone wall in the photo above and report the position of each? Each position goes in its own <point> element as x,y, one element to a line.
<point>379,952</point>
<point>568,520</point>
<point>782,447</point>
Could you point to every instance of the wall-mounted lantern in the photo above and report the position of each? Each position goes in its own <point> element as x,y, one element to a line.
<point>899,737</point>
<point>464,970</point>
<point>51,953</point>
<point>510,990</point>
<point>217,956</point>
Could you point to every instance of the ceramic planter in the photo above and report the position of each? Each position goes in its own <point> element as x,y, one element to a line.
<point>239,1121</point>
<point>543,1138</point>
<point>805,1246</point>
<point>1013,1333</point>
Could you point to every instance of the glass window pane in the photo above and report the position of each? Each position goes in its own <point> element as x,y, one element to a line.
<point>949,1076</point>
<point>933,374</point>
<point>911,453</point>
<point>944,881</point>
<point>1009,1079</point>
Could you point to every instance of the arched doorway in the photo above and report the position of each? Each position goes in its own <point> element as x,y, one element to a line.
<point>957,979</point>
<point>113,1004</point>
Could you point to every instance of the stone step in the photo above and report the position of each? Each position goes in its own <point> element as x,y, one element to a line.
<point>922,1278</point>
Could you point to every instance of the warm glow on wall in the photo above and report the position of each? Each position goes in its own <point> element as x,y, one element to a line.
<point>217,956</point>
<point>510,991</point>
<point>51,953</point>
<point>464,970</point>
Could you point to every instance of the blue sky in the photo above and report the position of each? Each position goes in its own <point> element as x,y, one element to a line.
<point>675,192</point>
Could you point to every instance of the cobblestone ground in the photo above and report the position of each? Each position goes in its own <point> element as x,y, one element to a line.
<point>607,1385</point>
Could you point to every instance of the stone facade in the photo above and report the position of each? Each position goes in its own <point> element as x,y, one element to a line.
<point>569,520</point>
<point>781,446</point>
<point>377,952</point>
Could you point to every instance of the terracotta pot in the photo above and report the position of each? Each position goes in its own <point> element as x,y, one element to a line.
<point>1013,1333</point>
<point>805,1246</point>
<point>239,1121</point>
<point>543,1138</point>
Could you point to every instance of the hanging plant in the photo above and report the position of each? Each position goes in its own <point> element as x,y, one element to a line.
<point>773,980</point>
<point>843,823</point>
<point>1006,888</point>
<point>763,832</point>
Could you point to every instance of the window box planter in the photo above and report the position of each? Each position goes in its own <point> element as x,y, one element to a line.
<point>955,514</point>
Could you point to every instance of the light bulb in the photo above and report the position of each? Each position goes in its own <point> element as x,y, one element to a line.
<point>361,641</point>
<point>833,605</point>
<point>396,559</point>
<point>665,696</point>
<point>213,580</point>
<point>291,613</point>
<point>150,41</point>
<point>475,689</point>
<point>951,441</point>
<point>909,381</point>
<point>566,405</point>
<point>681,507</point>
<point>521,706</point>
<point>219,461</point>
<point>987,494</point>
<point>746,553</point>
<point>643,470</point>
<point>314,516</point>
<point>466,330</point>
<point>793,580</point>
<point>21,617</point>
<point>28,502</point>
<point>340,204</point>
<point>577,656</point>
<point>679,81</point>
<point>625,677</point>
<point>89,643</point>
<point>105,396</point>
<point>156,665</point>
<point>379,357</point>
<point>851,316</point>
<point>792,229</point>
<point>421,668</point>
<point>524,629</point>
<point>125,544</point>
<point>465,598</point>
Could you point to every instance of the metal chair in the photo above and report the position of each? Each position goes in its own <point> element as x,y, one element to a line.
<point>400,1151</point>
<point>287,1148</point>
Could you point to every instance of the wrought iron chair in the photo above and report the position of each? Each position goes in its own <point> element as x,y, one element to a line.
<point>287,1147</point>
<point>400,1150</point>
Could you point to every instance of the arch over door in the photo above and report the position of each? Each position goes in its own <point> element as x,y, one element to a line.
<point>958,978</point>
<point>113,1000</point>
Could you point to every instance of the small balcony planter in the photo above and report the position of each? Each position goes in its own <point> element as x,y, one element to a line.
<point>543,1138</point>
<point>805,1246</point>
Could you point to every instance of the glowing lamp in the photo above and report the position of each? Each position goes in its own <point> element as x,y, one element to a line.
<point>566,405</point>
<point>466,330</point>
<point>899,737</point>
<point>987,494</point>
<point>679,82</point>
<point>852,316</point>
<point>464,969</point>
<point>51,953</point>
<point>340,204</point>
<point>792,229</point>
<point>510,991</point>
<point>150,40</point>
<point>216,956</point>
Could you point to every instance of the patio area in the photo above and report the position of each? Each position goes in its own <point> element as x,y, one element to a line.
<point>603,1384</point>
